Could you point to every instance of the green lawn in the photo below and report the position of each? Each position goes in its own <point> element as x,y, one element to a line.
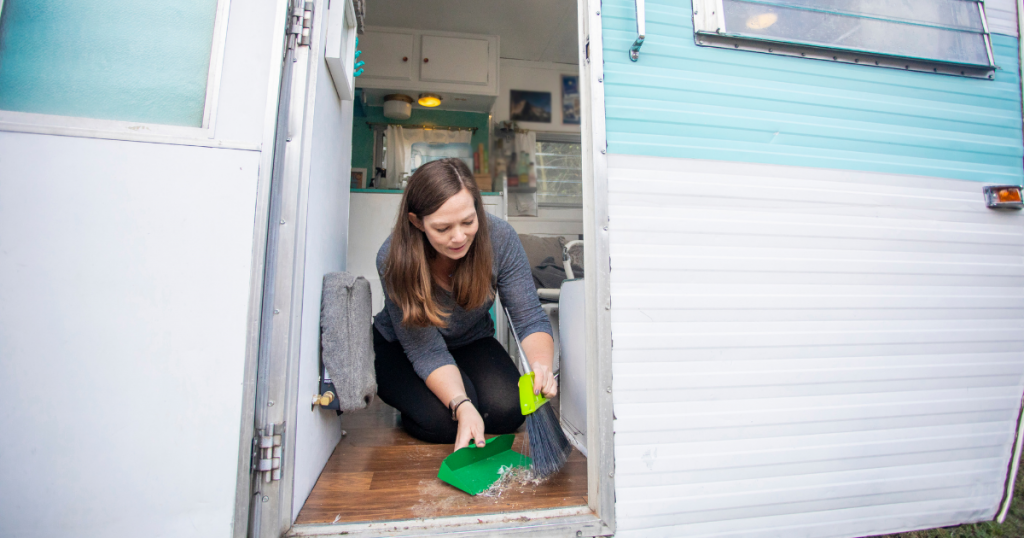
<point>1013,527</point>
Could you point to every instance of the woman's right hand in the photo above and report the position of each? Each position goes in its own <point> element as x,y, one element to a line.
<point>471,426</point>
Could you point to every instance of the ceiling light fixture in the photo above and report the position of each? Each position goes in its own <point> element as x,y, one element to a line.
<point>397,106</point>
<point>429,100</point>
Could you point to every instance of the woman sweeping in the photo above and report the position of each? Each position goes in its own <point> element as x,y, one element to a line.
<point>437,360</point>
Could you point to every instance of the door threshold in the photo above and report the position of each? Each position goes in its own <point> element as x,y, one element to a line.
<point>560,522</point>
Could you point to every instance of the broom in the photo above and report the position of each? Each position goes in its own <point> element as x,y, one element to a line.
<point>549,447</point>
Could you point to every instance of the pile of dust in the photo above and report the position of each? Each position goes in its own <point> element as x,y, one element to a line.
<point>512,479</point>
<point>438,499</point>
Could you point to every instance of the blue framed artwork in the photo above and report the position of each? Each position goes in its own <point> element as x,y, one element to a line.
<point>571,99</point>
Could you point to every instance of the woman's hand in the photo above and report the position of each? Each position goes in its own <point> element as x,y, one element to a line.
<point>540,352</point>
<point>471,426</point>
<point>544,380</point>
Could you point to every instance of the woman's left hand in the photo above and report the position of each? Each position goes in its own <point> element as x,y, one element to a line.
<point>544,380</point>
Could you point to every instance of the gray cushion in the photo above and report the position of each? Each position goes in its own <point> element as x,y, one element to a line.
<point>346,339</point>
<point>537,248</point>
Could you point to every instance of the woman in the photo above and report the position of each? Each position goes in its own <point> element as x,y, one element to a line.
<point>437,360</point>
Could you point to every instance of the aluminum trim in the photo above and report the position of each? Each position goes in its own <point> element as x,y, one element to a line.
<point>216,69</point>
<point>988,34</point>
<point>262,270</point>
<point>281,304</point>
<point>600,440</point>
<point>1015,458</point>
<point>842,56</point>
<point>557,522</point>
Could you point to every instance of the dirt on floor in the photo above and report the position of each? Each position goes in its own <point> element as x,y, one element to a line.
<point>1013,527</point>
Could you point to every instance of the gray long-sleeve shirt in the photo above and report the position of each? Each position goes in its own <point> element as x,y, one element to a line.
<point>427,347</point>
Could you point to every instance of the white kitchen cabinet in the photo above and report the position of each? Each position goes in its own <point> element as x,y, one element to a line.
<point>413,61</point>
<point>453,59</point>
<point>388,56</point>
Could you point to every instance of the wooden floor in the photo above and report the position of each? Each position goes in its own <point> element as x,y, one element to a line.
<point>379,473</point>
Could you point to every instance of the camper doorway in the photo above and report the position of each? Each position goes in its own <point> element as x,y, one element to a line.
<point>360,473</point>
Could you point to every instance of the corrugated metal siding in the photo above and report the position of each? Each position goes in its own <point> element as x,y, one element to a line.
<point>808,352</point>
<point>1002,16</point>
<point>681,100</point>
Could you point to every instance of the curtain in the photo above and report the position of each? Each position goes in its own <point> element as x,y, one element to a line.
<point>395,158</point>
<point>522,199</point>
<point>408,149</point>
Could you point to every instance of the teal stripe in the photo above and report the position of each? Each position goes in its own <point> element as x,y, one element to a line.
<point>685,101</point>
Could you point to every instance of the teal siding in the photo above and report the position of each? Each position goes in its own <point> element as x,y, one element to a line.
<point>685,101</point>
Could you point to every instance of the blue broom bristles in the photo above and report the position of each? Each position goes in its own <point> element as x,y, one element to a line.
<point>549,447</point>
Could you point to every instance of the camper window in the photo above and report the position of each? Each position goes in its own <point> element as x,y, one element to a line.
<point>559,170</point>
<point>941,36</point>
<point>159,65</point>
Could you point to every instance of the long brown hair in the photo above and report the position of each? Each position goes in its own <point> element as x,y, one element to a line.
<point>407,270</point>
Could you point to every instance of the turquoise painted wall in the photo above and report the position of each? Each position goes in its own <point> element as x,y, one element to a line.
<point>362,135</point>
<point>681,100</point>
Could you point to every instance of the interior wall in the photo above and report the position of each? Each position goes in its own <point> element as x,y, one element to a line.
<point>534,76</point>
<point>567,221</point>
<point>545,77</point>
<point>362,135</point>
<point>326,246</point>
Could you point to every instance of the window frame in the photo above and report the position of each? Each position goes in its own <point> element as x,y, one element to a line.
<point>709,30</point>
<point>565,138</point>
<point>83,127</point>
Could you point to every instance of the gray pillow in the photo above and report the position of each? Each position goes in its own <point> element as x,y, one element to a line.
<point>537,248</point>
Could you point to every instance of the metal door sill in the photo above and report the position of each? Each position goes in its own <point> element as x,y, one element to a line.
<point>557,522</point>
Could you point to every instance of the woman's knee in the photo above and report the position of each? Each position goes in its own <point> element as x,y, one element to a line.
<point>431,431</point>
<point>503,417</point>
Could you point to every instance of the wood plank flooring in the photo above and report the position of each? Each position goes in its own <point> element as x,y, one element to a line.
<point>379,473</point>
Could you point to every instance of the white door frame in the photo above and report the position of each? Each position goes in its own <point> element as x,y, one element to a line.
<point>263,508</point>
<point>278,357</point>
<point>597,262</point>
<point>280,76</point>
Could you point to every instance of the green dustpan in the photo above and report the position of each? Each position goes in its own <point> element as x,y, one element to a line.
<point>473,469</point>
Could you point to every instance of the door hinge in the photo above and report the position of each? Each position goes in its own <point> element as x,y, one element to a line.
<point>266,453</point>
<point>300,23</point>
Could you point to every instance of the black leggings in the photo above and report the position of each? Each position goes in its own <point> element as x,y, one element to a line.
<point>490,378</point>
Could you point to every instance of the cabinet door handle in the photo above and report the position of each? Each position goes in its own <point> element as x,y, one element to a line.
<point>405,58</point>
<point>425,60</point>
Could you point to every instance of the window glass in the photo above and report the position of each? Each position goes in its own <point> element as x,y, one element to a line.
<point>935,36</point>
<point>860,26</point>
<point>946,13</point>
<point>559,173</point>
<point>124,60</point>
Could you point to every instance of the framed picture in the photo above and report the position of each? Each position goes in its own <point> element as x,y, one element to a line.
<point>358,178</point>
<point>571,99</point>
<point>530,106</point>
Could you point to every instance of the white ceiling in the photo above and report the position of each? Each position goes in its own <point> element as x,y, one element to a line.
<point>534,30</point>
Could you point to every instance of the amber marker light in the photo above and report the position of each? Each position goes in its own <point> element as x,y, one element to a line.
<point>429,100</point>
<point>1003,196</point>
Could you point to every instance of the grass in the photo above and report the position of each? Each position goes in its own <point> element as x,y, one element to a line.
<point>1013,527</point>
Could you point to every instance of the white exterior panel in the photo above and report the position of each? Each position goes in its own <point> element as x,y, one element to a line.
<point>809,352</point>
<point>1002,16</point>
<point>124,280</point>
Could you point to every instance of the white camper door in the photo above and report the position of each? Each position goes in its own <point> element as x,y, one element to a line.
<point>308,238</point>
